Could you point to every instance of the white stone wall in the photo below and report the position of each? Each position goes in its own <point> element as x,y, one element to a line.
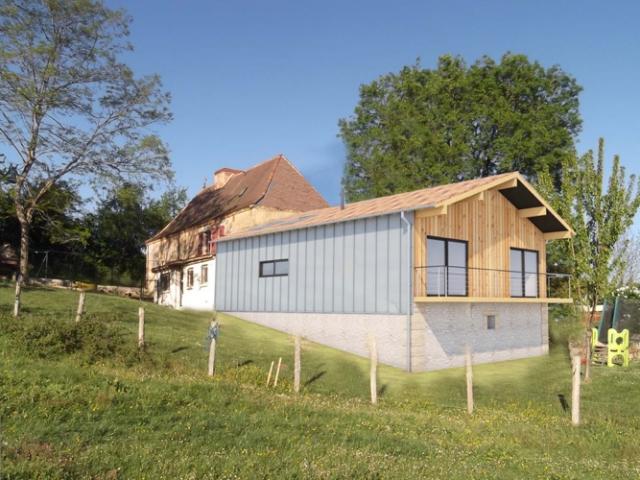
<point>440,332</point>
<point>171,296</point>
<point>200,296</point>
<point>348,332</point>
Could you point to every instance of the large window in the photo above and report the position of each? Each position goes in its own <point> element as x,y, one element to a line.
<point>189,277</point>
<point>165,281</point>
<point>446,267</point>
<point>523,273</point>
<point>274,268</point>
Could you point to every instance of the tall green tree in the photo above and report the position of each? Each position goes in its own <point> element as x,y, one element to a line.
<point>121,224</point>
<point>601,208</point>
<point>421,127</point>
<point>69,107</point>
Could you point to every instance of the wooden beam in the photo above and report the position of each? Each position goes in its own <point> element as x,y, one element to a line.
<point>478,196</point>
<point>557,235</point>
<point>420,299</point>
<point>532,212</point>
<point>431,212</point>
<point>512,183</point>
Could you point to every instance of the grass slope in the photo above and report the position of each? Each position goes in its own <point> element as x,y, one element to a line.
<point>162,417</point>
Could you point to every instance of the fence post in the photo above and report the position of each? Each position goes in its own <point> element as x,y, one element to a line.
<point>575,390</point>
<point>212,352</point>
<point>373,373</point>
<point>270,371</point>
<point>587,366</point>
<point>469,380</point>
<point>275,380</point>
<point>80,310</point>
<point>140,327</point>
<point>296,366</point>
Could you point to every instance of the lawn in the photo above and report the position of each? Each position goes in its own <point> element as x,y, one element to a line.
<point>158,416</point>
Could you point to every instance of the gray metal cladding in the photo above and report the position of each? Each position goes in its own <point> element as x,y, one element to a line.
<point>358,266</point>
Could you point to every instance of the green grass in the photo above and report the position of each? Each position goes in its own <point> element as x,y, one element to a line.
<point>161,417</point>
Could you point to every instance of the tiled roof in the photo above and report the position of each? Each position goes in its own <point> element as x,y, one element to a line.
<point>418,199</point>
<point>275,183</point>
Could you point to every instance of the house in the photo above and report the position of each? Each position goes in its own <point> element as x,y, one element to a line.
<point>181,258</point>
<point>425,272</point>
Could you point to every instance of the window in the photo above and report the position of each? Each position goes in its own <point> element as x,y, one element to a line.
<point>446,267</point>
<point>204,274</point>
<point>274,268</point>
<point>491,321</point>
<point>205,243</point>
<point>190,278</point>
<point>165,281</point>
<point>523,273</point>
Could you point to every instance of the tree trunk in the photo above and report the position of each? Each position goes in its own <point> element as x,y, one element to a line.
<point>23,269</point>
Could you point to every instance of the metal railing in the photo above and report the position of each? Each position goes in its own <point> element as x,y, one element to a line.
<point>452,281</point>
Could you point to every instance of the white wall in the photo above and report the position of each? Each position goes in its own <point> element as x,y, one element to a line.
<point>440,332</point>
<point>171,296</point>
<point>348,332</point>
<point>200,296</point>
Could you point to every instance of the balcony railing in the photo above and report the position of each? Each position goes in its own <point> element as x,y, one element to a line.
<point>459,282</point>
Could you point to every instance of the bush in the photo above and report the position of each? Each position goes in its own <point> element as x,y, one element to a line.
<point>93,339</point>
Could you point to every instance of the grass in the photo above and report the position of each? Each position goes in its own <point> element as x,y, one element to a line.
<point>161,417</point>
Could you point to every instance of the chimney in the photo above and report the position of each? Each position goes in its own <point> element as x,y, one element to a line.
<point>223,175</point>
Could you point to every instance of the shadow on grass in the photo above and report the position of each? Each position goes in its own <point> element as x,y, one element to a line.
<point>180,349</point>
<point>315,377</point>
<point>244,363</point>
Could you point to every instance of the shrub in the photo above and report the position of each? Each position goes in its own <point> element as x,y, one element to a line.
<point>93,339</point>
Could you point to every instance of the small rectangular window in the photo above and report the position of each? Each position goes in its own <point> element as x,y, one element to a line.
<point>274,268</point>
<point>165,281</point>
<point>491,322</point>
<point>190,278</point>
<point>204,274</point>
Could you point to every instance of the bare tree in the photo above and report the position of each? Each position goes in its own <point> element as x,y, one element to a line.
<point>69,107</point>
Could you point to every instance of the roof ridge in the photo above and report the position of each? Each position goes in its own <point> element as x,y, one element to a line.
<point>270,181</point>
<point>305,178</point>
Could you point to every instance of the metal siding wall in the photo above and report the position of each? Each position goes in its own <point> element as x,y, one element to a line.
<point>352,267</point>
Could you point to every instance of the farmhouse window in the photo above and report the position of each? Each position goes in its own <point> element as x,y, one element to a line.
<point>204,274</point>
<point>523,273</point>
<point>190,278</point>
<point>165,281</point>
<point>274,268</point>
<point>205,242</point>
<point>446,267</point>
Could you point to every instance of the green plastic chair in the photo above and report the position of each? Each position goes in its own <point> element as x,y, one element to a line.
<point>618,346</point>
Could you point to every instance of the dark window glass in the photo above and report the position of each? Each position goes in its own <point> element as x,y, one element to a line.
<point>274,268</point>
<point>523,273</point>
<point>491,322</point>
<point>446,267</point>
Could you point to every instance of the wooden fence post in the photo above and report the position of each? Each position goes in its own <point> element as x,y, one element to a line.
<point>296,366</point>
<point>587,366</point>
<point>212,350</point>
<point>373,373</point>
<point>270,371</point>
<point>275,380</point>
<point>80,310</point>
<point>575,390</point>
<point>140,327</point>
<point>469,381</point>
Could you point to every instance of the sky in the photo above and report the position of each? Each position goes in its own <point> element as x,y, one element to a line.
<point>250,80</point>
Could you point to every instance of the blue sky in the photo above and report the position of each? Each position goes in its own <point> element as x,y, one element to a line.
<point>253,79</point>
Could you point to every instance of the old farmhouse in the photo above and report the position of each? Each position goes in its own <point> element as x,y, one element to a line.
<point>181,258</point>
<point>426,272</point>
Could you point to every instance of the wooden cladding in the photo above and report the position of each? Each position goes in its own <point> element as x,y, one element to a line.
<point>492,226</point>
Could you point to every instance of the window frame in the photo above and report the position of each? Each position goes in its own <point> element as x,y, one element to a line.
<point>190,278</point>
<point>261,273</point>
<point>487,324</point>
<point>164,282</point>
<point>446,241</point>
<point>204,279</point>
<point>523,273</point>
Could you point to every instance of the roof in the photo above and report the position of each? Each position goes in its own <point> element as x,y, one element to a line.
<point>522,195</point>
<point>275,183</point>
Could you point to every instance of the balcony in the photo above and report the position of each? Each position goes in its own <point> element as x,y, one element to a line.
<point>462,284</point>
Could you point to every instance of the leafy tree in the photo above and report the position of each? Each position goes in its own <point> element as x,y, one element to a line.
<point>421,127</point>
<point>599,217</point>
<point>121,224</point>
<point>69,107</point>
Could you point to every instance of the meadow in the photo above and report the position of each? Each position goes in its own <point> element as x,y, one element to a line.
<point>83,402</point>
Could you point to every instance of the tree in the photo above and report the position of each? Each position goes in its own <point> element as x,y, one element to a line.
<point>600,219</point>
<point>69,108</point>
<point>422,127</point>
<point>121,224</point>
